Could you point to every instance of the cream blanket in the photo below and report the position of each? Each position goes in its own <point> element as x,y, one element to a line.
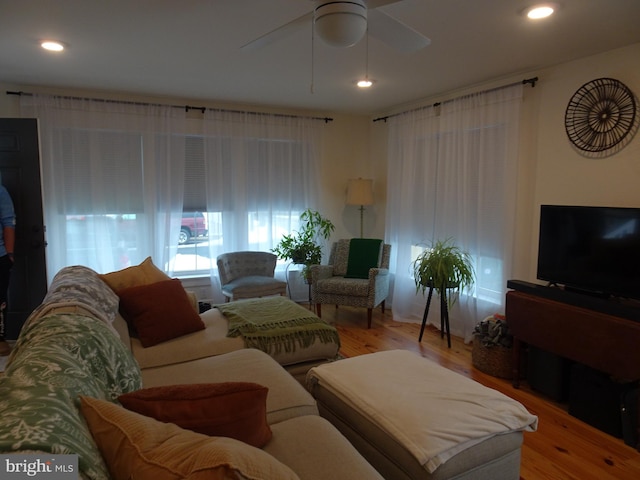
<point>434,412</point>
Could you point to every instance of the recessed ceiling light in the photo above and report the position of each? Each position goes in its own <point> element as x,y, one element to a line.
<point>541,11</point>
<point>366,83</point>
<point>52,46</point>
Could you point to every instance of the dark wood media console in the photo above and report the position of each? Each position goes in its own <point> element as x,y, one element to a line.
<point>599,333</point>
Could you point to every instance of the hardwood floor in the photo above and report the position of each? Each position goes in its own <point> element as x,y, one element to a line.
<point>563,447</point>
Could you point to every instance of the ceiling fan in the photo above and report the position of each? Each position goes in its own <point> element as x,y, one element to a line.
<point>343,23</point>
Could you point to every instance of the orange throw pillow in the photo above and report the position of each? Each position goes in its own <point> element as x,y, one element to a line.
<point>159,311</point>
<point>233,409</point>
<point>136,446</point>
<point>142,274</point>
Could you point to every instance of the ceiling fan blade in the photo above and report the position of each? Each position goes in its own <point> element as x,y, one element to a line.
<point>371,4</point>
<point>280,32</point>
<point>395,33</point>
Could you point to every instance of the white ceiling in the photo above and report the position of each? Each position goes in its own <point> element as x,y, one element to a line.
<point>190,49</point>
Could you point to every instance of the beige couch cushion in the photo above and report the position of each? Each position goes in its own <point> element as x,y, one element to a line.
<point>213,340</point>
<point>313,448</point>
<point>286,398</point>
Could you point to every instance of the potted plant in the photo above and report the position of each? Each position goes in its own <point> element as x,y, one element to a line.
<point>444,266</point>
<point>304,247</point>
<point>492,344</point>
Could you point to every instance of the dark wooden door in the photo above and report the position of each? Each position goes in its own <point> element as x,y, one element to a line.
<point>20,174</point>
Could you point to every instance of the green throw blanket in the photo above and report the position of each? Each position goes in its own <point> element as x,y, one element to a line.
<point>276,324</point>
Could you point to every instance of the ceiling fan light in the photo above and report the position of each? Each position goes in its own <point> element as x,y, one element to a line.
<point>52,45</point>
<point>541,11</point>
<point>365,83</point>
<point>341,24</point>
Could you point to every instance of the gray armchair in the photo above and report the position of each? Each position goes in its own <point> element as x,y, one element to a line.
<point>249,275</point>
<point>329,284</point>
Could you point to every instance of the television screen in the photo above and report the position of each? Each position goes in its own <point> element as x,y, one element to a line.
<point>594,249</point>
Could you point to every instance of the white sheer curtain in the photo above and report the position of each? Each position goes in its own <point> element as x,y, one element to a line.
<point>112,180</point>
<point>261,172</point>
<point>452,173</point>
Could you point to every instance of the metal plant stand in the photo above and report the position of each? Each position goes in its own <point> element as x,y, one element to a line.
<point>444,316</point>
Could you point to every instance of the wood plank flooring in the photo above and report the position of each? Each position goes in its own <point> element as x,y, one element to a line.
<point>562,448</point>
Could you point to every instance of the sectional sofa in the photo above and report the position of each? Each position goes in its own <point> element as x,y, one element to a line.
<point>236,414</point>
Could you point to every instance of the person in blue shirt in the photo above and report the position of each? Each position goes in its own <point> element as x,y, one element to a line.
<point>7,244</point>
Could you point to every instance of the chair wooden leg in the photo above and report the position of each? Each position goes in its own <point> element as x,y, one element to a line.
<point>319,309</point>
<point>369,317</point>
<point>382,306</point>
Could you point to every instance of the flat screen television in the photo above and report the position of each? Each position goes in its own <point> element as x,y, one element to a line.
<point>591,249</point>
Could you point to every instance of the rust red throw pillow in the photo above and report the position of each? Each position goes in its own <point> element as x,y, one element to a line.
<point>159,311</point>
<point>233,409</point>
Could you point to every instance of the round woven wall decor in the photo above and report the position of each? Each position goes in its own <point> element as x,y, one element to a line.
<point>601,115</point>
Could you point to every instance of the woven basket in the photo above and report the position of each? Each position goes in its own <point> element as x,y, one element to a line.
<point>496,360</point>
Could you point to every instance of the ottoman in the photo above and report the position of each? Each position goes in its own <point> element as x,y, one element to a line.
<point>414,419</point>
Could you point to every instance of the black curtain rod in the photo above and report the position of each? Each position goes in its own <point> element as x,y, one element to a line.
<point>526,81</point>
<point>186,107</point>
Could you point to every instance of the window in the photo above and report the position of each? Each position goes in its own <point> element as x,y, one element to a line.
<point>457,163</point>
<point>124,180</point>
<point>250,192</point>
<point>102,196</point>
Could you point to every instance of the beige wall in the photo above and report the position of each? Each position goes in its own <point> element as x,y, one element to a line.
<point>550,170</point>
<point>355,149</point>
<point>558,173</point>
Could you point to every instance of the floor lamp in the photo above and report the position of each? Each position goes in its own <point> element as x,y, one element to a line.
<point>360,192</point>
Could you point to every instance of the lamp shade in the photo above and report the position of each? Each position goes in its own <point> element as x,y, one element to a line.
<point>360,191</point>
